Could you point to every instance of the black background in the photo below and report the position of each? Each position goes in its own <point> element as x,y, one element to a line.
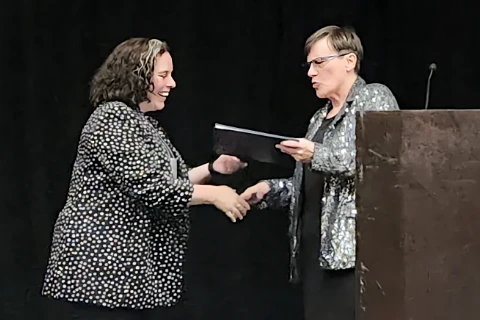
<point>237,63</point>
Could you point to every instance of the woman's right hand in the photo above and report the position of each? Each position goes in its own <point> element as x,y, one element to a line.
<point>256,193</point>
<point>228,201</point>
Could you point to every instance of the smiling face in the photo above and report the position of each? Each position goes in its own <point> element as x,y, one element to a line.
<point>162,83</point>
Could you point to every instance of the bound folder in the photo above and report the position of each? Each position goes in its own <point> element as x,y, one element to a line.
<point>250,145</point>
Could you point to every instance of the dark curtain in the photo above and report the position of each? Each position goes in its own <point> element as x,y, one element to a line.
<point>237,63</point>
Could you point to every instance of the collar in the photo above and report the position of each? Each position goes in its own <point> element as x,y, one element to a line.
<point>151,119</point>
<point>354,90</point>
<point>357,85</point>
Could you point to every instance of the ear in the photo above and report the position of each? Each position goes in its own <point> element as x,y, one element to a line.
<point>151,86</point>
<point>351,61</point>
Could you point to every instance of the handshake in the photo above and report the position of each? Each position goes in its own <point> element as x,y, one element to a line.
<point>236,206</point>
<point>226,199</point>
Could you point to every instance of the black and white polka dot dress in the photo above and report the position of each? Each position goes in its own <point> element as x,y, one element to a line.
<point>121,237</point>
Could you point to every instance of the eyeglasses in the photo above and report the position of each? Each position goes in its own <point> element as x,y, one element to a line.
<point>321,61</point>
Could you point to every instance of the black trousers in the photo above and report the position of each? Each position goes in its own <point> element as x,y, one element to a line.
<point>329,295</point>
<point>64,310</point>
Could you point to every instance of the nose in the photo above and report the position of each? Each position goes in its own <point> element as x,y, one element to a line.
<point>312,72</point>
<point>171,83</point>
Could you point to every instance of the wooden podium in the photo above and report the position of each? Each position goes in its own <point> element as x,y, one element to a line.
<point>418,224</point>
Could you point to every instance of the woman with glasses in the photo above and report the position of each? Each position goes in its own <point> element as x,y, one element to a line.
<point>321,193</point>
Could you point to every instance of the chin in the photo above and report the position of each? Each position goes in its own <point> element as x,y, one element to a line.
<point>320,95</point>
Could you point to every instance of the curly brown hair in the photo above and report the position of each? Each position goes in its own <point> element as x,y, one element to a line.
<point>126,73</point>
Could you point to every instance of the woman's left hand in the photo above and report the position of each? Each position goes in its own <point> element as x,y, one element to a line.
<point>301,151</point>
<point>228,164</point>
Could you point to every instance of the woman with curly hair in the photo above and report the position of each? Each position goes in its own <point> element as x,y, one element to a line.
<point>119,243</point>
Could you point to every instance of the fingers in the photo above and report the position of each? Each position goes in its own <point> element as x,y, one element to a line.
<point>237,160</point>
<point>235,167</point>
<point>239,210</point>
<point>288,150</point>
<point>251,196</point>
<point>290,144</point>
<point>234,214</point>
<point>247,194</point>
<point>233,205</point>
<point>242,205</point>
<point>297,153</point>
<point>231,216</point>
<point>255,198</point>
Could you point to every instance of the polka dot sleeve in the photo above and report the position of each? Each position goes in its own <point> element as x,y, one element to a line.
<point>132,160</point>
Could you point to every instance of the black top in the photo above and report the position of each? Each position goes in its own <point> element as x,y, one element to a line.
<point>313,185</point>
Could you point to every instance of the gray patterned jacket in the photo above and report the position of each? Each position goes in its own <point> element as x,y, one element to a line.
<point>335,157</point>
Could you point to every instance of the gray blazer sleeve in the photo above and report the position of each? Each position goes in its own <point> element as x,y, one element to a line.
<point>280,194</point>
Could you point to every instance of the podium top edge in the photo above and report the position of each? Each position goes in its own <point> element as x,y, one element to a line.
<point>427,110</point>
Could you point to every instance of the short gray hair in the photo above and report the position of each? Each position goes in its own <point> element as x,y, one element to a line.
<point>341,39</point>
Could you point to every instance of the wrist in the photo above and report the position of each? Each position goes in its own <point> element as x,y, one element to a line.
<point>264,186</point>
<point>210,196</point>
<point>205,194</point>
<point>213,194</point>
<point>212,170</point>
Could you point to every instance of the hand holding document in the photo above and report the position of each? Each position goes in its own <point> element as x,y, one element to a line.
<point>250,145</point>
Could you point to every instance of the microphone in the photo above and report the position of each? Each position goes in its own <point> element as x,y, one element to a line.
<point>432,67</point>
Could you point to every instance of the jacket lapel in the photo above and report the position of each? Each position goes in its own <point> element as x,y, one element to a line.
<point>317,119</point>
